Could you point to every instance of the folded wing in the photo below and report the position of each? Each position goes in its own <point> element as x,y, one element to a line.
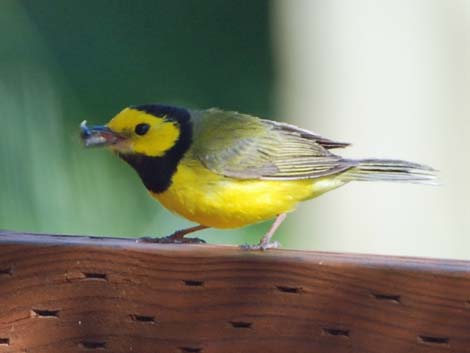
<point>245,147</point>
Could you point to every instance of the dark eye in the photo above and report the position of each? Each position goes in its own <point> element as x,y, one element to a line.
<point>141,129</point>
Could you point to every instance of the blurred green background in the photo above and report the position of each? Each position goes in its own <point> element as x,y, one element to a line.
<point>391,76</point>
<point>65,61</point>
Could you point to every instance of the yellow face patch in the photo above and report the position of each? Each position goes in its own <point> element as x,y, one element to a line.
<point>161,135</point>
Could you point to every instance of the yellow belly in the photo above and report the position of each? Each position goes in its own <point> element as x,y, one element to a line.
<point>221,202</point>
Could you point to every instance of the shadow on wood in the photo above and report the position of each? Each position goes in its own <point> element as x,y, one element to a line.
<point>76,294</point>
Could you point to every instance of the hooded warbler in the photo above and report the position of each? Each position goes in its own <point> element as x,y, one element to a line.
<point>225,169</point>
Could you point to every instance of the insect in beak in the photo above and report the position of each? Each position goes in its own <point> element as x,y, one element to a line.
<point>98,135</point>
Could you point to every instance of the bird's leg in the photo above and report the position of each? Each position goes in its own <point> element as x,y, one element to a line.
<point>177,237</point>
<point>265,242</point>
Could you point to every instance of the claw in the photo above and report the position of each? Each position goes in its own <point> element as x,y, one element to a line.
<point>261,246</point>
<point>170,240</point>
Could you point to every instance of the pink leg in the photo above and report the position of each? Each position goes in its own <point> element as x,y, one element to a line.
<point>265,242</point>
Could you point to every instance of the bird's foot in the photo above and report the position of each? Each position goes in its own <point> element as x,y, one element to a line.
<point>176,238</point>
<point>170,239</point>
<point>261,246</point>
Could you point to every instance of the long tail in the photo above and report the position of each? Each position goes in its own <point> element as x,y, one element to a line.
<point>389,170</point>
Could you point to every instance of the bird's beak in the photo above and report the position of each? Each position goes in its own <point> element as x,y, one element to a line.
<point>98,135</point>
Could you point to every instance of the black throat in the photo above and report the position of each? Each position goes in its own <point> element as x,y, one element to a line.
<point>156,172</point>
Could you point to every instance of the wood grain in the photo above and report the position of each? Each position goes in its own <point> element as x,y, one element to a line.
<point>81,294</point>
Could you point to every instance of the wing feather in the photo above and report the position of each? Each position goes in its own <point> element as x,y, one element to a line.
<point>246,147</point>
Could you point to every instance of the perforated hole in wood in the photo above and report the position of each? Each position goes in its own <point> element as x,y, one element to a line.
<point>95,276</point>
<point>393,298</point>
<point>328,331</point>
<point>143,318</point>
<point>92,345</point>
<point>241,324</point>
<point>4,341</point>
<point>287,289</point>
<point>190,349</point>
<point>44,313</point>
<point>6,271</point>
<point>193,283</point>
<point>434,341</point>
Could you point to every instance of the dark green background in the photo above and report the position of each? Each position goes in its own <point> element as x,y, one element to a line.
<point>65,61</point>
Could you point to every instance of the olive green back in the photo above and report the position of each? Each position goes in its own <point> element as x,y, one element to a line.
<point>242,146</point>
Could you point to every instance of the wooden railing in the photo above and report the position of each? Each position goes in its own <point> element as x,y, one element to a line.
<point>75,294</point>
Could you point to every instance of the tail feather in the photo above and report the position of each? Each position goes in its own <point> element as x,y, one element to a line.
<point>390,170</point>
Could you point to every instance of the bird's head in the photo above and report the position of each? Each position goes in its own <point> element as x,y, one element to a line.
<point>150,130</point>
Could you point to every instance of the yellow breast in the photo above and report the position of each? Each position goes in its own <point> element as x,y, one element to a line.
<point>216,201</point>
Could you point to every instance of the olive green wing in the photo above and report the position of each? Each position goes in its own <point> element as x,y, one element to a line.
<point>246,147</point>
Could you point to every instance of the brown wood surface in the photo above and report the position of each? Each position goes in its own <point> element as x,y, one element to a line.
<point>82,294</point>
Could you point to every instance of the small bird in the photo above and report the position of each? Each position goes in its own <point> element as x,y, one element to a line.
<point>224,169</point>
